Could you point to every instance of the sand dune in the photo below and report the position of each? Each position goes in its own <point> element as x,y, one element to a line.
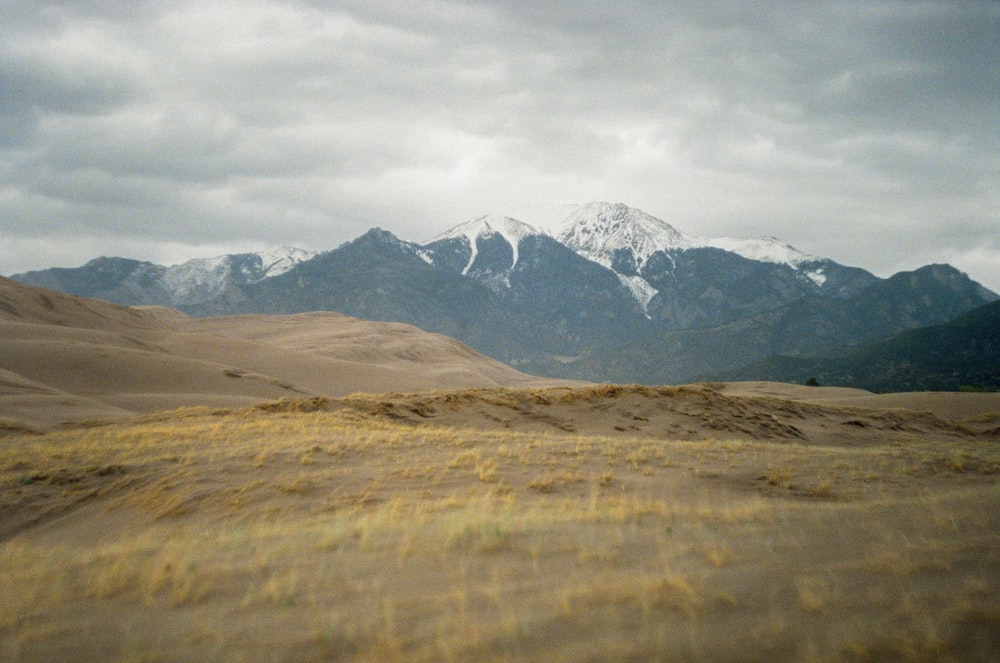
<point>596,523</point>
<point>688,412</point>
<point>948,405</point>
<point>67,358</point>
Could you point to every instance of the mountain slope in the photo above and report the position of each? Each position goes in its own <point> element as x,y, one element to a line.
<point>807,326</point>
<point>132,282</point>
<point>380,277</point>
<point>964,352</point>
<point>569,302</point>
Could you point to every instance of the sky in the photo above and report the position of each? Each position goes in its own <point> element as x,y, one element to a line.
<point>163,130</point>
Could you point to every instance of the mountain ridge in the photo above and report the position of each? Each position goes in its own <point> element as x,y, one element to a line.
<point>136,282</point>
<point>623,297</point>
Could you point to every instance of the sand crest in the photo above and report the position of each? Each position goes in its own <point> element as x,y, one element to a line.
<point>67,359</point>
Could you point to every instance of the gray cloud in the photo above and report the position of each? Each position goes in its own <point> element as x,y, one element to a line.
<point>866,131</point>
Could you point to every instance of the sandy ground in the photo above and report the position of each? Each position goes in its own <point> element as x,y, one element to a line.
<point>546,524</point>
<point>65,359</point>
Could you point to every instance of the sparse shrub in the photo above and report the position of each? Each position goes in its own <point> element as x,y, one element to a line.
<point>464,459</point>
<point>543,484</point>
<point>780,477</point>
<point>486,470</point>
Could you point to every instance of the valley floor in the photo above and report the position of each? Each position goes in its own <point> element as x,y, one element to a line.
<point>709,522</point>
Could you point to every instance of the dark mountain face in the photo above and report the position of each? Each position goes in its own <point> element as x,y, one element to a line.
<point>927,296</point>
<point>708,287</point>
<point>564,303</point>
<point>961,353</point>
<point>525,298</point>
<point>814,324</point>
<point>452,254</point>
<point>579,299</point>
<point>117,280</point>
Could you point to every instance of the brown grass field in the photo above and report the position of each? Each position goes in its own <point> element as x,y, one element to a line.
<point>602,523</point>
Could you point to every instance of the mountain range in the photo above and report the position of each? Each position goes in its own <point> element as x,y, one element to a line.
<point>601,292</point>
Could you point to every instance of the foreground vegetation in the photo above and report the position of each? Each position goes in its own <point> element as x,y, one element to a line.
<point>281,533</point>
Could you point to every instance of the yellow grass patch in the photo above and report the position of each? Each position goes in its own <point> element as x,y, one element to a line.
<point>313,531</point>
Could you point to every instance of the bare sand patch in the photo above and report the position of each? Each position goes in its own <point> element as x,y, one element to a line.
<point>82,359</point>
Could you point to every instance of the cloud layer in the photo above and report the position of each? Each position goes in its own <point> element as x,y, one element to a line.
<point>868,132</point>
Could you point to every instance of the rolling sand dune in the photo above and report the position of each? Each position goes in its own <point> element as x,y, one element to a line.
<point>947,405</point>
<point>690,412</point>
<point>69,358</point>
<point>593,522</point>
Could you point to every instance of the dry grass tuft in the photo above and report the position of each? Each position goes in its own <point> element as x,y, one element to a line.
<point>314,404</point>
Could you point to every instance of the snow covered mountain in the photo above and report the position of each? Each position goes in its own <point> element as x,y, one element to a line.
<point>511,230</point>
<point>202,279</point>
<point>599,291</point>
<point>133,282</point>
<point>598,229</point>
<point>648,255</point>
<point>603,232</point>
<point>280,260</point>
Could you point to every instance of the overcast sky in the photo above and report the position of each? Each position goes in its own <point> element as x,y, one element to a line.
<point>867,132</point>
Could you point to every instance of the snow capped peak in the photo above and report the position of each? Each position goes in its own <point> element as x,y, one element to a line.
<point>510,228</point>
<point>597,230</point>
<point>606,233</point>
<point>198,279</point>
<point>764,249</point>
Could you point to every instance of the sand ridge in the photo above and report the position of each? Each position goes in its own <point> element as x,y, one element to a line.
<point>687,412</point>
<point>67,359</point>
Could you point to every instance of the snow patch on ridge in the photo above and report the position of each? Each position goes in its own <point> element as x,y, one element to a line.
<point>474,251</point>
<point>205,276</point>
<point>512,230</point>
<point>280,260</point>
<point>764,249</point>
<point>640,289</point>
<point>817,276</point>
